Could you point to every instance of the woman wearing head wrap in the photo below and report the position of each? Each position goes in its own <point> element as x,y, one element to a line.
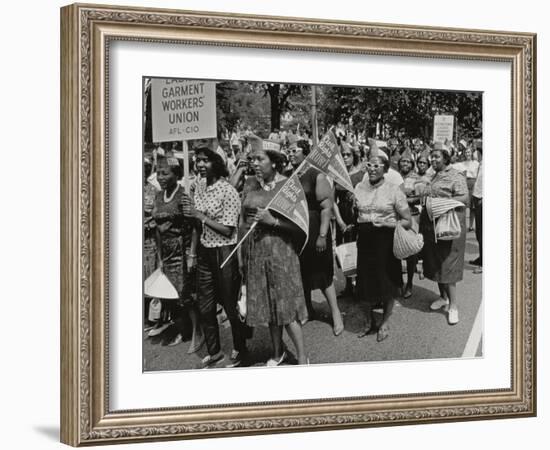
<point>175,239</point>
<point>269,259</point>
<point>444,259</point>
<point>380,205</point>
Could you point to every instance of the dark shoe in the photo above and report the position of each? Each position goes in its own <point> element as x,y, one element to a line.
<point>210,360</point>
<point>236,359</point>
<point>368,330</point>
<point>475,262</point>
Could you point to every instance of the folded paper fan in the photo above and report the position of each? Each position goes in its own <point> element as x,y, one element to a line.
<point>437,206</point>
<point>158,285</point>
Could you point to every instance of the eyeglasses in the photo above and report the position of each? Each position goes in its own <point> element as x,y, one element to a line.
<point>374,166</point>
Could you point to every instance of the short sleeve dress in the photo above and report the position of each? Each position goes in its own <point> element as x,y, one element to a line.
<point>272,269</point>
<point>317,267</point>
<point>444,260</point>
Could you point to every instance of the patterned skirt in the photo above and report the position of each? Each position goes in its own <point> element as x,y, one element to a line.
<point>175,268</point>
<point>273,284</point>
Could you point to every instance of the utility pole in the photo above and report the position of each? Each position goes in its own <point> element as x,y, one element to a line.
<point>315,130</point>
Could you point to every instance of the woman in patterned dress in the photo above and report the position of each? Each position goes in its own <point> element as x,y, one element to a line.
<point>444,260</point>
<point>269,260</point>
<point>174,235</point>
<point>216,207</point>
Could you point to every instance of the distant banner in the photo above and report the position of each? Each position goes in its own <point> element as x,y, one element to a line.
<point>291,203</point>
<point>183,109</point>
<point>443,128</point>
<point>327,158</point>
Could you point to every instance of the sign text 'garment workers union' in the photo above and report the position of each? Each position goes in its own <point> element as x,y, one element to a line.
<point>183,109</point>
<point>443,128</point>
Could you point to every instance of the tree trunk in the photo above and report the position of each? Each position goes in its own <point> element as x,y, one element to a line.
<point>274,91</point>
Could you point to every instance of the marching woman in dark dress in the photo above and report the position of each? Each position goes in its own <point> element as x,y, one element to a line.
<point>175,240</point>
<point>316,261</point>
<point>269,260</point>
<point>380,206</point>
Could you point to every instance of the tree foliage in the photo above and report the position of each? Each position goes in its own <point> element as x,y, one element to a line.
<point>410,111</point>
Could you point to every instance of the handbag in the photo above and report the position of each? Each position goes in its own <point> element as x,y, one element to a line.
<point>406,243</point>
<point>241,304</point>
<point>346,256</point>
<point>447,226</point>
<point>157,285</point>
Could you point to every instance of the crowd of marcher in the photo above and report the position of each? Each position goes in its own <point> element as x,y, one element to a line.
<point>192,225</point>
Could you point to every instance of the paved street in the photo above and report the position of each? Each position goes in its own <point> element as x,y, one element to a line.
<point>416,332</point>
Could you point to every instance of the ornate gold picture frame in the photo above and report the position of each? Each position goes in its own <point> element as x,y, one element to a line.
<point>87,32</point>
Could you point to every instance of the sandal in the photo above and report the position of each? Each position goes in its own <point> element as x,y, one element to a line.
<point>272,362</point>
<point>383,333</point>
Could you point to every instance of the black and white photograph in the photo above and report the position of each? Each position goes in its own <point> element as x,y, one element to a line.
<point>295,224</point>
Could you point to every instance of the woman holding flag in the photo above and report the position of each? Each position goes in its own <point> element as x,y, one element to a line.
<point>317,262</point>
<point>444,259</point>
<point>269,257</point>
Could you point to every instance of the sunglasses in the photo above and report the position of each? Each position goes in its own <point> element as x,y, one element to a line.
<point>374,166</point>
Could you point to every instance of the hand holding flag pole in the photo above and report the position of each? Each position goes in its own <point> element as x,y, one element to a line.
<point>303,223</point>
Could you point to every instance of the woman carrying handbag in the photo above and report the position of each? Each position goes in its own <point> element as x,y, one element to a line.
<point>443,251</point>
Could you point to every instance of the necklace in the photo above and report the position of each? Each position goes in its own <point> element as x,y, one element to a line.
<point>169,199</point>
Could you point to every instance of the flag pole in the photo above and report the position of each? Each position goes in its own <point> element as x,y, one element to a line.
<point>315,129</point>
<point>256,223</point>
<point>185,149</point>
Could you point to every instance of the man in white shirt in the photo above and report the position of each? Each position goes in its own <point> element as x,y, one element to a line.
<point>477,204</point>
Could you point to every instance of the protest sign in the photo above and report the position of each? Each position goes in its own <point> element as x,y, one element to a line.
<point>291,203</point>
<point>326,158</point>
<point>443,128</point>
<point>183,109</point>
